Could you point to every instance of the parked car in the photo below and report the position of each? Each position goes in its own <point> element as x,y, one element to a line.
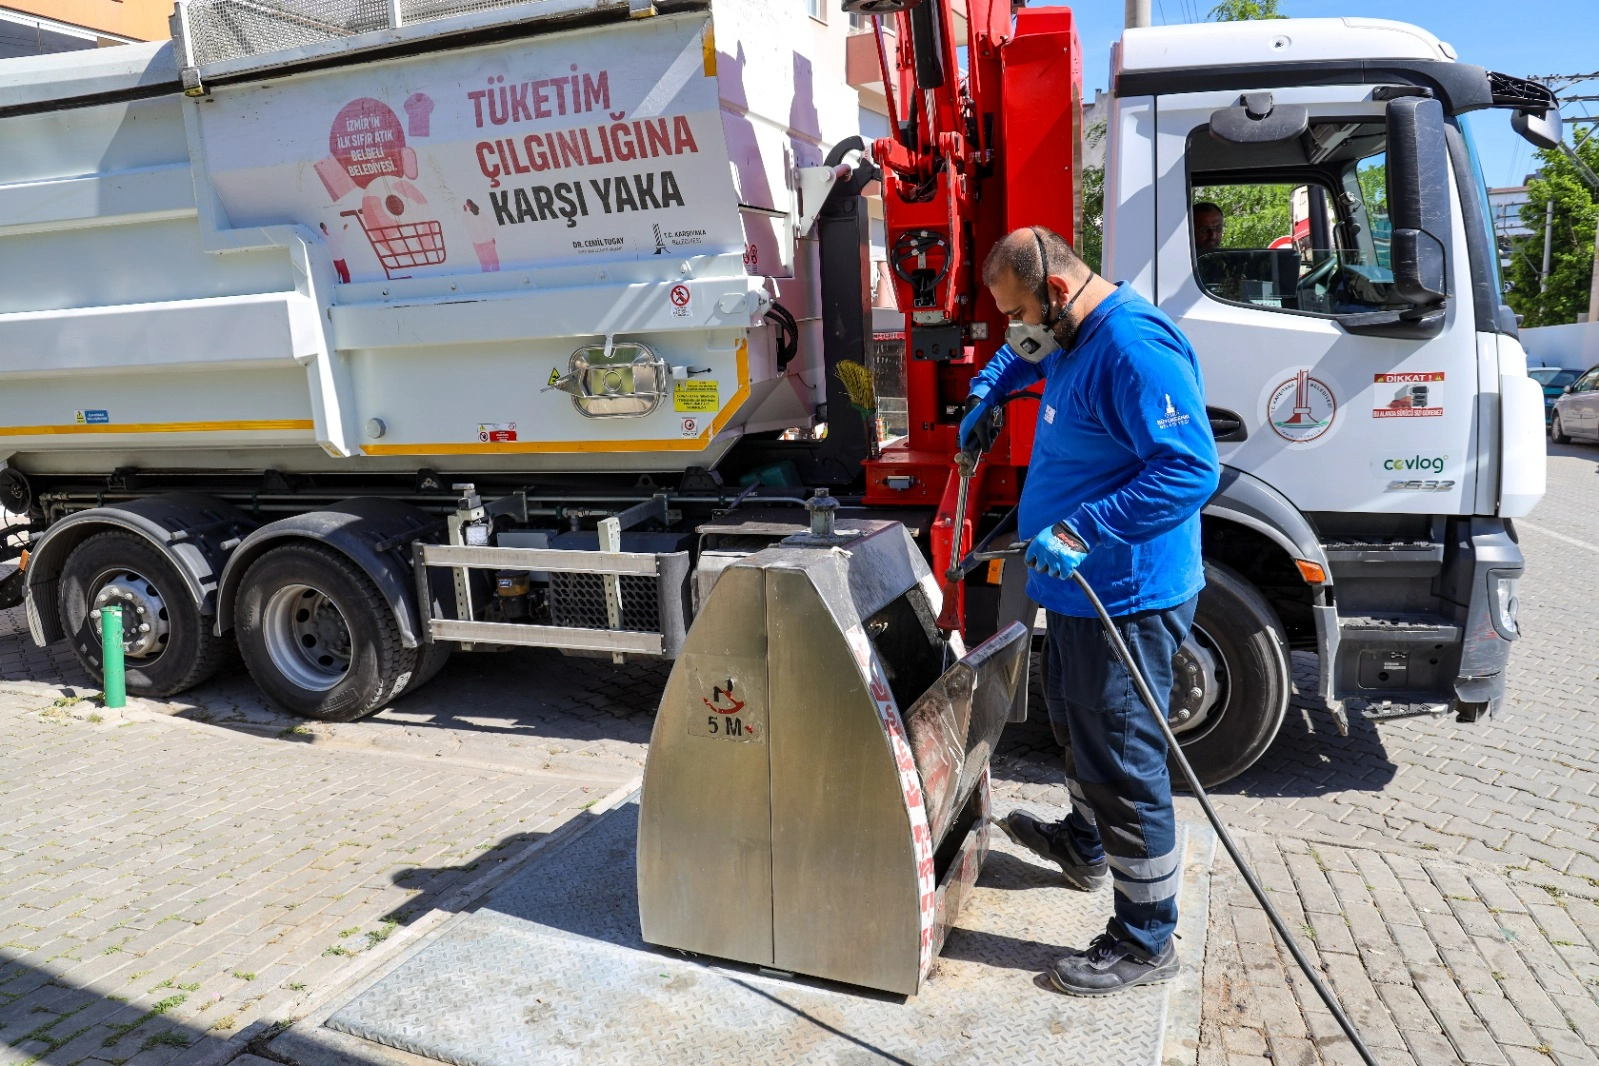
<point>1554,380</point>
<point>1577,410</point>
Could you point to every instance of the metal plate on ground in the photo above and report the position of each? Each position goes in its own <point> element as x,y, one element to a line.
<point>550,969</point>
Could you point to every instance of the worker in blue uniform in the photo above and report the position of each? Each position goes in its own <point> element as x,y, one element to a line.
<point>1122,463</point>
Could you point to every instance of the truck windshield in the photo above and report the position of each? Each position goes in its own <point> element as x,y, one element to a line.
<point>1486,213</point>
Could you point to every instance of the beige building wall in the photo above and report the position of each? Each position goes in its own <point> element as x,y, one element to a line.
<point>142,20</point>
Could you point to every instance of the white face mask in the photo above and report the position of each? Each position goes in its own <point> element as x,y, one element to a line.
<point>1034,342</point>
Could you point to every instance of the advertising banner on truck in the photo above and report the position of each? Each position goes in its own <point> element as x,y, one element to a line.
<point>536,152</point>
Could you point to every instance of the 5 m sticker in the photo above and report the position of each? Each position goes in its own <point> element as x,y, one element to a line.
<point>699,397</point>
<point>723,715</point>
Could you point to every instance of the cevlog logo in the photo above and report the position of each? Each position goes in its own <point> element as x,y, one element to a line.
<point>1414,466</point>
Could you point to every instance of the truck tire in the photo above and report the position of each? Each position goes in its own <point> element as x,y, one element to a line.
<point>1232,680</point>
<point>430,659</point>
<point>1557,432</point>
<point>317,636</point>
<point>177,651</point>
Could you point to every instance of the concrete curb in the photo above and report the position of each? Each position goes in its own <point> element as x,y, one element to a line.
<point>1185,999</point>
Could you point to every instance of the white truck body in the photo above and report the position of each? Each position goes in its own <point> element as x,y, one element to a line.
<point>290,272</point>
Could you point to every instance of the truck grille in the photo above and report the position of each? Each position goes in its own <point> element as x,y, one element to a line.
<point>579,600</point>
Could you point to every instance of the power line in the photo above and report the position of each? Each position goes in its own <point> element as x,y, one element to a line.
<point>1564,81</point>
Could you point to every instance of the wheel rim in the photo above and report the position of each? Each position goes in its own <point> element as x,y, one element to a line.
<point>1199,686</point>
<point>307,637</point>
<point>146,626</point>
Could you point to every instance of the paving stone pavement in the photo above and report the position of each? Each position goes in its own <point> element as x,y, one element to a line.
<point>181,877</point>
<point>1445,877</point>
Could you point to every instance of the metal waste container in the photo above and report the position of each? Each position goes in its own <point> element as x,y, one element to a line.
<point>816,793</point>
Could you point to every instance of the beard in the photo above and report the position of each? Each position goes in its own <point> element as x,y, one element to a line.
<point>1066,330</point>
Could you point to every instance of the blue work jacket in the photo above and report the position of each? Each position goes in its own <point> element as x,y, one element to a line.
<point>1123,455</point>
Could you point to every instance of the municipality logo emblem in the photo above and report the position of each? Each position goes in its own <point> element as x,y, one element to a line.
<point>660,240</point>
<point>1173,417</point>
<point>1301,409</point>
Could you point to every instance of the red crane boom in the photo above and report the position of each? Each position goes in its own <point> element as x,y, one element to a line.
<point>975,153</point>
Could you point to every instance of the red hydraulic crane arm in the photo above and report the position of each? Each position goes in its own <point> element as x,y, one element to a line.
<point>975,153</point>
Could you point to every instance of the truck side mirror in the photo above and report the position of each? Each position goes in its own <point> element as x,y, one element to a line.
<point>1418,199</point>
<point>1541,128</point>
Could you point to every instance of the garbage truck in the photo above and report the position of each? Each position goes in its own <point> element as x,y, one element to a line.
<point>353,336</point>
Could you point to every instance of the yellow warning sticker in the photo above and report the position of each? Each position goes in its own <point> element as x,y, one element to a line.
<point>555,375</point>
<point>700,396</point>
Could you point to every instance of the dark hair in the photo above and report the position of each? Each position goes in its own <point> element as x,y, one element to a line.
<point>1206,205</point>
<point>1017,253</point>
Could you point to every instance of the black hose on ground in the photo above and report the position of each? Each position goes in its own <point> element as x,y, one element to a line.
<point>1144,693</point>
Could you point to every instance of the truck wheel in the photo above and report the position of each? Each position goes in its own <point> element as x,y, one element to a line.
<point>1232,680</point>
<point>316,635</point>
<point>168,645</point>
<point>1557,432</point>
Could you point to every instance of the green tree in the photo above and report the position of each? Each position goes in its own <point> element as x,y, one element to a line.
<point>1245,11</point>
<point>1256,214</point>
<point>1091,246</point>
<point>1576,215</point>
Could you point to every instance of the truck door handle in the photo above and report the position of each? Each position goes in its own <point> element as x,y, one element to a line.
<point>1226,426</point>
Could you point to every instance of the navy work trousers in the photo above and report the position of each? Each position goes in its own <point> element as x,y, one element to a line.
<point>1116,760</point>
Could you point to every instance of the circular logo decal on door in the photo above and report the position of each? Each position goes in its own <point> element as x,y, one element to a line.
<point>1301,408</point>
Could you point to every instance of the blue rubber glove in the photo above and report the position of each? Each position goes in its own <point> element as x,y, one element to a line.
<point>977,425</point>
<point>1057,551</point>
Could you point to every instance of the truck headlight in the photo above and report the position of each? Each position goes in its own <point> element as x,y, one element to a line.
<point>1502,587</point>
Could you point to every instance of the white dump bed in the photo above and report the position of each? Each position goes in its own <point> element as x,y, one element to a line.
<point>381,249</point>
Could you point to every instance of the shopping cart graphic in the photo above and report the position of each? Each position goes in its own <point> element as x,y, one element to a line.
<point>403,246</point>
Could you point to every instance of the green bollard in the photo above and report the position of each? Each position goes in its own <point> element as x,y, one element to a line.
<point>116,681</point>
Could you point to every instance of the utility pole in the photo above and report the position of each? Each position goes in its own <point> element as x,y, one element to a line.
<point>1137,14</point>
<point>1548,242</point>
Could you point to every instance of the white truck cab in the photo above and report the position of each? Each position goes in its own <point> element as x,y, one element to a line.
<point>1370,399</point>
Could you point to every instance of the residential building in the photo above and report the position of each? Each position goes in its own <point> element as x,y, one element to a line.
<point>37,27</point>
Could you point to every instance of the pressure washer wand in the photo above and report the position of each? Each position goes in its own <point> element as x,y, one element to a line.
<point>949,615</point>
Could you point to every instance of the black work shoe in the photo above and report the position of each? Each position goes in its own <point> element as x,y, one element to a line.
<point>1051,841</point>
<point>1110,965</point>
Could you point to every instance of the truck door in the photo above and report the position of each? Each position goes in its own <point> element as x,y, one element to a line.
<point>1291,250</point>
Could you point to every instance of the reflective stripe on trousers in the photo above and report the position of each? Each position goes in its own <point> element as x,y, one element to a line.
<point>1116,760</point>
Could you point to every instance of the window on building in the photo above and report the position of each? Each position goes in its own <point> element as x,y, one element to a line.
<point>816,9</point>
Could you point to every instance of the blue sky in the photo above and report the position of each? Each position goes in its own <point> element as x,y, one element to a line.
<point>1527,37</point>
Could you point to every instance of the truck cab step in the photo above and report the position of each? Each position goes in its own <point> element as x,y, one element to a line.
<point>1383,556</point>
<point>1376,707</point>
<point>1399,628</point>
